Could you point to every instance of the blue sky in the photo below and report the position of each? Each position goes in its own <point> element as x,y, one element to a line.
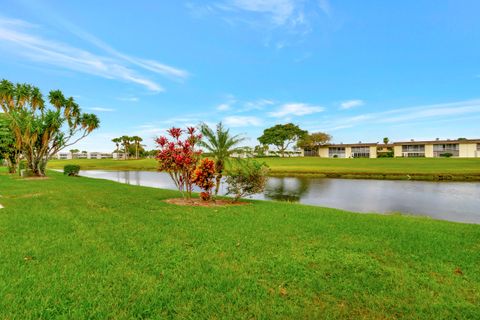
<point>359,70</point>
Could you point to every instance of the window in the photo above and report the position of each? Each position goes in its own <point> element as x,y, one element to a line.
<point>413,150</point>
<point>478,146</point>
<point>336,152</point>
<point>361,152</point>
<point>440,150</point>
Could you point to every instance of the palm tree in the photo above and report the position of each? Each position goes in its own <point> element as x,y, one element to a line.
<point>117,143</point>
<point>221,145</point>
<point>386,140</point>
<point>136,140</point>
<point>126,145</point>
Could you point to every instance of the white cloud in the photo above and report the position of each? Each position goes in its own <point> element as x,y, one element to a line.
<point>405,115</point>
<point>257,104</point>
<point>295,109</point>
<point>223,107</point>
<point>100,109</point>
<point>280,10</point>
<point>242,121</point>
<point>130,99</point>
<point>351,104</point>
<point>18,36</point>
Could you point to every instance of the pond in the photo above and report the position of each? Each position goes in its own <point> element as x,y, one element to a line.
<point>453,201</point>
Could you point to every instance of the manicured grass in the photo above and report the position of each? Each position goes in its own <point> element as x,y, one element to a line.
<point>390,168</point>
<point>78,248</point>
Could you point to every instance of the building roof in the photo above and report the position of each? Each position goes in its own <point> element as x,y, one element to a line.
<point>360,144</point>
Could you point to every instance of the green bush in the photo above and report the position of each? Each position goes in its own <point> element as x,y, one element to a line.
<point>446,155</point>
<point>71,170</point>
<point>388,154</point>
<point>246,178</point>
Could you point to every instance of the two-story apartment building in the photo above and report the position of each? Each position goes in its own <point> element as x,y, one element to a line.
<point>461,148</point>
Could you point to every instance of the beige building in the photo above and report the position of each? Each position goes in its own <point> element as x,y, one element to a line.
<point>463,148</point>
<point>355,150</point>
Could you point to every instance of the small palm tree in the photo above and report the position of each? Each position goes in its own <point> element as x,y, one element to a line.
<point>220,144</point>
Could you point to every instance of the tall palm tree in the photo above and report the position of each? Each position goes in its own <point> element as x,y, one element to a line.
<point>136,141</point>
<point>221,145</point>
<point>126,145</point>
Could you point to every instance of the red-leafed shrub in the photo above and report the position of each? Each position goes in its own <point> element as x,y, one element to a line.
<point>178,157</point>
<point>204,176</point>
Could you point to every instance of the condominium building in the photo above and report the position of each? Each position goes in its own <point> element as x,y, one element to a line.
<point>356,150</point>
<point>461,148</point>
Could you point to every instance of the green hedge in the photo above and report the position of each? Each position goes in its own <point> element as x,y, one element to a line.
<point>71,170</point>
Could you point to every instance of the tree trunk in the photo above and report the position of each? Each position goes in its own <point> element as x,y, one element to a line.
<point>218,181</point>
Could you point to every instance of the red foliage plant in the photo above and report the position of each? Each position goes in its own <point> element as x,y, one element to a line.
<point>177,156</point>
<point>204,176</point>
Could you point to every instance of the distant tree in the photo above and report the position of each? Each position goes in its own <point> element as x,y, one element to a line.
<point>117,142</point>
<point>260,150</point>
<point>136,140</point>
<point>386,140</point>
<point>462,139</point>
<point>84,152</point>
<point>282,136</point>
<point>42,131</point>
<point>126,145</point>
<point>314,141</point>
<point>73,151</point>
<point>220,145</point>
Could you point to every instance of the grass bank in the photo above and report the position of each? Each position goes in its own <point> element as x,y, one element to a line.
<point>79,248</point>
<point>465,169</point>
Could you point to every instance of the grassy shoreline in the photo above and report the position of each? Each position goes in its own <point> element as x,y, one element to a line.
<point>382,169</point>
<point>91,248</point>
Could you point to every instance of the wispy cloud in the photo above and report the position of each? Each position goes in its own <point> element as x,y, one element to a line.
<point>293,16</point>
<point>258,104</point>
<point>129,99</point>
<point>100,109</point>
<point>223,107</point>
<point>351,104</point>
<point>404,115</point>
<point>22,39</point>
<point>242,121</point>
<point>295,109</point>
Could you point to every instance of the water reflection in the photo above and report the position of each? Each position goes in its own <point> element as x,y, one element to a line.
<point>286,188</point>
<point>454,201</point>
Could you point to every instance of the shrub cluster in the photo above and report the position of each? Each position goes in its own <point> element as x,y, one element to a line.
<point>71,170</point>
<point>247,178</point>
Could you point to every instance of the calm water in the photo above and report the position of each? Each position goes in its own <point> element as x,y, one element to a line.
<point>454,201</point>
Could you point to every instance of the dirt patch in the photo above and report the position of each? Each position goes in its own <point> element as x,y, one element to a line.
<point>35,178</point>
<point>201,203</point>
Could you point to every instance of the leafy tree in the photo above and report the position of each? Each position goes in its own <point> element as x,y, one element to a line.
<point>260,150</point>
<point>282,136</point>
<point>41,131</point>
<point>220,145</point>
<point>314,141</point>
<point>8,151</point>
<point>386,140</point>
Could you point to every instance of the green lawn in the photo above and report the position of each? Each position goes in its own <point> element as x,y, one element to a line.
<point>390,168</point>
<point>78,248</point>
